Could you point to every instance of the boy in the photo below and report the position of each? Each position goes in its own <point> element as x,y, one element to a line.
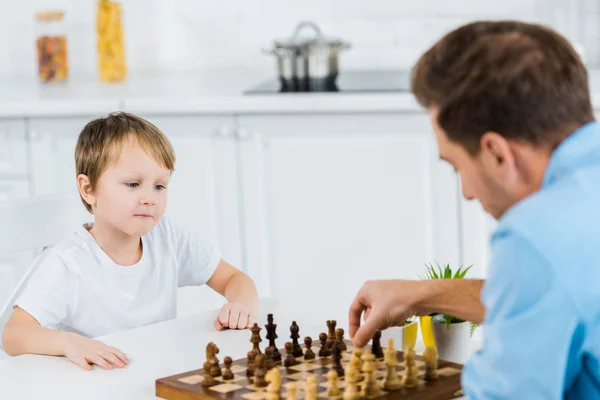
<point>123,270</point>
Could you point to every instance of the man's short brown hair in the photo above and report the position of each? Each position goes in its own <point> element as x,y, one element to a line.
<point>101,140</point>
<point>521,80</point>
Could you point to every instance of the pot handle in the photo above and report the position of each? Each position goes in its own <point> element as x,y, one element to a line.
<point>308,24</point>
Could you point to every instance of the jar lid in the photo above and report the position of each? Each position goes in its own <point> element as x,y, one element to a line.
<point>49,15</point>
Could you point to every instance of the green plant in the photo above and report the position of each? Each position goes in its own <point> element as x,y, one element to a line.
<point>437,272</point>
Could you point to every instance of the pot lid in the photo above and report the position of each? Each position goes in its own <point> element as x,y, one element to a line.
<point>299,40</point>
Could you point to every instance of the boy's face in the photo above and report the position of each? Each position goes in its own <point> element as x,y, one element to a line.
<point>131,194</point>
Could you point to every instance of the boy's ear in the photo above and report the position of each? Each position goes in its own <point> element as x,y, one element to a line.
<point>85,189</point>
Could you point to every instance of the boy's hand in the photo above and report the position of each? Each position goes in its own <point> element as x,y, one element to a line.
<point>236,315</point>
<point>85,352</point>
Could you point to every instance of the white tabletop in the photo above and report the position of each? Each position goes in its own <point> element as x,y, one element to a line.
<point>155,351</point>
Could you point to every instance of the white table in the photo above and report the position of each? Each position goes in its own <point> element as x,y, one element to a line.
<point>155,351</point>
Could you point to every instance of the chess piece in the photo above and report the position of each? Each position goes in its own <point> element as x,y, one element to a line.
<point>260,370</point>
<point>255,339</point>
<point>227,374</point>
<point>357,353</point>
<point>332,390</point>
<point>211,360</point>
<point>337,358</point>
<point>376,349</point>
<point>310,391</point>
<point>290,360</point>
<point>431,363</point>
<point>355,362</point>
<point>410,368</point>
<point>269,355</point>
<point>215,370</point>
<point>331,335</point>
<point>308,353</point>
<point>371,386</point>
<point>250,367</point>
<point>295,330</point>
<point>351,391</point>
<point>339,334</point>
<point>324,351</point>
<point>208,380</point>
<point>391,382</point>
<point>271,336</point>
<point>291,390</point>
<point>273,378</point>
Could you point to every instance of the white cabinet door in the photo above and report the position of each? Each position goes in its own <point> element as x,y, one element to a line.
<point>13,149</point>
<point>52,143</point>
<point>203,192</point>
<point>333,200</point>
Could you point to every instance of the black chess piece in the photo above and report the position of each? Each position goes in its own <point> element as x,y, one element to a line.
<point>255,339</point>
<point>308,353</point>
<point>295,330</point>
<point>290,360</point>
<point>227,374</point>
<point>339,333</point>
<point>336,349</point>
<point>260,371</point>
<point>376,346</point>
<point>324,351</point>
<point>269,353</point>
<point>271,336</point>
<point>331,335</point>
<point>250,366</point>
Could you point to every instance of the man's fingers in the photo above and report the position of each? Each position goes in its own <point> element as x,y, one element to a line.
<point>224,316</point>
<point>234,317</point>
<point>356,310</point>
<point>218,325</point>
<point>242,321</point>
<point>368,329</point>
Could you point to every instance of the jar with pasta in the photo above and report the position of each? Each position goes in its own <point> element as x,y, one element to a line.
<point>51,47</point>
<point>110,46</point>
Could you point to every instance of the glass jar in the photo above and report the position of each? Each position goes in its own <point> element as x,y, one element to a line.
<point>110,46</point>
<point>51,46</point>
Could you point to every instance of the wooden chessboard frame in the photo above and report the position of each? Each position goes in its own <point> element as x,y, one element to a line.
<point>187,385</point>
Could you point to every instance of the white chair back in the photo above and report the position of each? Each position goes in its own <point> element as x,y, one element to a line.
<point>33,224</point>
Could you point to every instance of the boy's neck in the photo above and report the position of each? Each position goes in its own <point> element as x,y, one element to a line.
<point>123,249</point>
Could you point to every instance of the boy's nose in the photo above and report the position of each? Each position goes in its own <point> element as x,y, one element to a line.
<point>147,200</point>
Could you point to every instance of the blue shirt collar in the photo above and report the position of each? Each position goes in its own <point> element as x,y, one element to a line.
<point>578,149</point>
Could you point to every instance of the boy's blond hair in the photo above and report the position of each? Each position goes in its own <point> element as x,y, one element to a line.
<point>101,140</point>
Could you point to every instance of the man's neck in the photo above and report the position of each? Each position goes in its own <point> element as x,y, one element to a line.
<point>120,247</point>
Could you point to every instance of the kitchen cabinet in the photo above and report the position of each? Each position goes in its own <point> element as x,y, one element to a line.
<point>13,149</point>
<point>332,200</point>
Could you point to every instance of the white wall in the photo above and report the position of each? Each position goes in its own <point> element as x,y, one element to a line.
<point>190,34</point>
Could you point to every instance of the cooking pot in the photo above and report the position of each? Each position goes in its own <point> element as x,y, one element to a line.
<point>307,62</point>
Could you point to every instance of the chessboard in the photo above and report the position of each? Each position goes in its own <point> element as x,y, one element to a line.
<point>297,371</point>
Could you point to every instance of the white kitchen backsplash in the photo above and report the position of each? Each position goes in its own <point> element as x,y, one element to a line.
<point>176,35</point>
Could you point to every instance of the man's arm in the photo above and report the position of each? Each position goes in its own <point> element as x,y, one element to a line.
<point>389,302</point>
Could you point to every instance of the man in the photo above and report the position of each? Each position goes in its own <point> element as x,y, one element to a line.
<point>510,107</point>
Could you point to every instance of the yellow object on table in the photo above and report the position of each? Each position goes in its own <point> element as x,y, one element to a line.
<point>427,331</point>
<point>111,48</point>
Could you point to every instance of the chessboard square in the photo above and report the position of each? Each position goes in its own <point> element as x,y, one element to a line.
<point>192,379</point>
<point>305,367</point>
<point>256,388</point>
<point>448,371</point>
<point>255,395</point>
<point>299,376</point>
<point>236,378</point>
<point>237,368</point>
<point>226,387</point>
<point>340,384</point>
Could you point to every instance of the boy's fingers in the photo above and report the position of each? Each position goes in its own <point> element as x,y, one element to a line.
<point>113,359</point>
<point>224,316</point>
<point>81,362</point>
<point>101,362</point>
<point>234,317</point>
<point>243,321</point>
<point>119,354</point>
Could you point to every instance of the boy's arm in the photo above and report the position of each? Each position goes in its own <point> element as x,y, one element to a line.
<point>240,292</point>
<point>24,335</point>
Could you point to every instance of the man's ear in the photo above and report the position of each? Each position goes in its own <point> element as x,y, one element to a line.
<point>496,151</point>
<point>85,189</point>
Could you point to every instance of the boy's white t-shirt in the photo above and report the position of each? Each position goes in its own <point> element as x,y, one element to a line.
<point>78,288</point>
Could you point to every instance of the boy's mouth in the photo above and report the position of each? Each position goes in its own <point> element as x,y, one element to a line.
<point>143,215</point>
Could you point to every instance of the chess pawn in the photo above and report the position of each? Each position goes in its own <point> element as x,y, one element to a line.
<point>269,355</point>
<point>227,374</point>
<point>371,385</point>
<point>273,378</point>
<point>291,390</point>
<point>324,351</point>
<point>290,360</point>
<point>392,382</point>
<point>431,363</point>
<point>339,334</point>
<point>311,388</point>
<point>351,391</point>
<point>250,367</point>
<point>308,354</point>
<point>333,390</point>
<point>410,369</point>
<point>260,371</point>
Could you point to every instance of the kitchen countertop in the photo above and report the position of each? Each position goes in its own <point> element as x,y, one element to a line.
<point>203,92</point>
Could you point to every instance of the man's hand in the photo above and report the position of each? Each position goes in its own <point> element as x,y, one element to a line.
<point>384,303</point>
<point>84,352</point>
<point>236,315</point>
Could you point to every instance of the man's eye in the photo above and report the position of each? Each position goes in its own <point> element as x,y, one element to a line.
<point>133,184</point>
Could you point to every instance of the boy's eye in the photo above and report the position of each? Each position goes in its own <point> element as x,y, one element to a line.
<point>132,184</point>
<point>159,187</point>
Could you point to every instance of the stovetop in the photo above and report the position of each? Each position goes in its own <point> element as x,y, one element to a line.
<point>361,81</point>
